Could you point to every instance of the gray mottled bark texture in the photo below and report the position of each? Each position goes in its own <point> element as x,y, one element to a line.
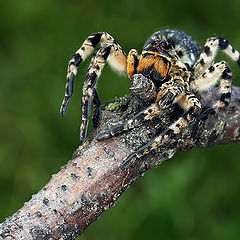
<point>92,182</point>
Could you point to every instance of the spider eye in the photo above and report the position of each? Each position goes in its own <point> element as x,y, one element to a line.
<point>164,45</point>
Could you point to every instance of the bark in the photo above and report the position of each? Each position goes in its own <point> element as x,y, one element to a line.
<point>92,182</point>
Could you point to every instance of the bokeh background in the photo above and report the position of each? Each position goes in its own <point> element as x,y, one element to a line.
<point>195,195</point>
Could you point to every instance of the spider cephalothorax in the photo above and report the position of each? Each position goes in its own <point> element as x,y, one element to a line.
<point>170,70</point>
<point>155,62</point>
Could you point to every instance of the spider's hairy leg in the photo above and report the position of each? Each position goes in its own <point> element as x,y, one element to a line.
<point>117,59</point>
<point>96,106</point>
<point>93,73</point>
<point>132,62</point>
<point>169,94</point>
<point>81,54</point>
<point>192,106</point>
<point>209,77</point>
<point>225,89</point>
<point>219,71</point>
<point>145,115</point>
<point>209,52</point>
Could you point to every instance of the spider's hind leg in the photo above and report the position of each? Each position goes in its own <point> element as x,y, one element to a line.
<point>219,71</point>
<point>209,52</point>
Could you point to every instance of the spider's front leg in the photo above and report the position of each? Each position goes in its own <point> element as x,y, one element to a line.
<point>167,94</point>
<point>193,107</point>
<point>170,92</point>
<point>81,54</point>
<point>109,51</point>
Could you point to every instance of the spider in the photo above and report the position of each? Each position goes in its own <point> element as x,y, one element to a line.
<point>170,70</point>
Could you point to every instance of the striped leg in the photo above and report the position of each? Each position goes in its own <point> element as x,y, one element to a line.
<point>219,71</point>
<point>117,60</point>
<point>109,51</point>
<point>145,115</point>
<point>209,52</point>
<point>225,90</point>
<point>169,94</point>
<point>194,108</point>
<point>81,54</point>
<point>96,106</point>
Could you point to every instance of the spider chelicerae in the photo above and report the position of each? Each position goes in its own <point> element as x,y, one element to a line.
<point>170,70</point>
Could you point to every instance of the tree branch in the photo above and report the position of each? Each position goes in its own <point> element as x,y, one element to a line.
<point>92,182</point>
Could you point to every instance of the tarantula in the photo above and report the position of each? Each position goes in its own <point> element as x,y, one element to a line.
<point>170,69</point>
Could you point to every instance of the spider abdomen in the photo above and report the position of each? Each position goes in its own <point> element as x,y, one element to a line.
<point>187,49</point>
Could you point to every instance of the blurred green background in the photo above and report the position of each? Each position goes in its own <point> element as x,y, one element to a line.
<point>195,195</point>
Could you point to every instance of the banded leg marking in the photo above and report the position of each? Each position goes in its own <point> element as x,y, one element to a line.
<point>169,95</point>
<point>118,62</point>
<point>81,54</point>
<point>219,71</point>
<point>96,108</point>
<point>165,136</point>
<point>150,146</point>
<point>210,77</point>
<point>209,52</point>
<point>137,120</point>
<point>93,73</point>
<point>225,89</point>
<point>117,59</point>
<point>109,51</point>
